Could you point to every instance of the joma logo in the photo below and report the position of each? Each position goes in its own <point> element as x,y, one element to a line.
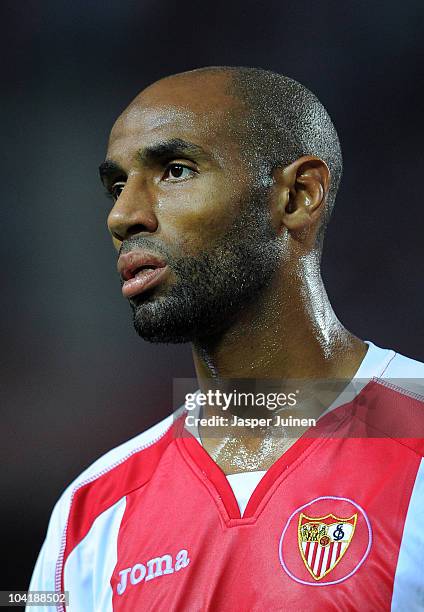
<point>159,566</point>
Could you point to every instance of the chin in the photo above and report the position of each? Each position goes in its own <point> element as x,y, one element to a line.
<point>178,334</point>
<point>161,336</point>
<point>153,329</point>
<point>171,320</point>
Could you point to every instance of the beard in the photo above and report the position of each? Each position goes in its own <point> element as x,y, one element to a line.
<point>213,287</point>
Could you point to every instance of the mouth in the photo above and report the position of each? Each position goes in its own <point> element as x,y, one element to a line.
<point>140,271</point>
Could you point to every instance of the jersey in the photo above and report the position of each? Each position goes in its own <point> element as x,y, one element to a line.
<point>336,523</point>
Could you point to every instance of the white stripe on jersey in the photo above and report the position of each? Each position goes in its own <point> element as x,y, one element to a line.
<point>49,559</point>
<point>43,577</point>
<point>90,565</point>
<point>408,588</point>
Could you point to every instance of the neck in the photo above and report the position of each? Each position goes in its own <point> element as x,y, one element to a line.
<point>289,331</point>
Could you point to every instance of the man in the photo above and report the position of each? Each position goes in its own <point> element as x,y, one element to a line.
<point>223,181</point>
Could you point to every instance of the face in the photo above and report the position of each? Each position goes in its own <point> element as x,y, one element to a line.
<point>192,228</point>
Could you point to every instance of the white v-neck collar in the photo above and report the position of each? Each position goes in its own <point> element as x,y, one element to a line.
<point>243,484</point>
<point>375,362</point>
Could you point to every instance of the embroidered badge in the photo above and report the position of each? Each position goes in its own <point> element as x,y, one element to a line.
<point>323,541</point>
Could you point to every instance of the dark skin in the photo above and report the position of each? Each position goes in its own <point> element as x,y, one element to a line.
<point>291,330</point>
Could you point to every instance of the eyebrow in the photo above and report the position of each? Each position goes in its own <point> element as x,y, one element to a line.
<point>167,149</point>
<point>109,168</point>
<point>160,152</point>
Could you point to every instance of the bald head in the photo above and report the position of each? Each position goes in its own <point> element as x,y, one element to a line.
<point>275,119</point>
<point>203,97</point>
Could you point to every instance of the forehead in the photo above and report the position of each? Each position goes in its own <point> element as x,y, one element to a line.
<point>195,108</point>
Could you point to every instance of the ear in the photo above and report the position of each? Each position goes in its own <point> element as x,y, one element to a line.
<point>300,191</point>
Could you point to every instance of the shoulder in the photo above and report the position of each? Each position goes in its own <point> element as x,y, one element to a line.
<point>99,487</point>
<point>391,368</point>
<point>405,375</point>
<point>120,454</point>
<point>394,402</point>
<point>124,468</point>
<point>401,366</point>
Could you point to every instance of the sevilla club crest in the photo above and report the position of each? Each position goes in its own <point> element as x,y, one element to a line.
<point>323,541</point>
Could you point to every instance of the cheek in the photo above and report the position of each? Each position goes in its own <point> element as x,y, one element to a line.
<point>196,218</point>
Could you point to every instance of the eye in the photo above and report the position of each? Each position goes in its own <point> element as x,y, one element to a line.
<point>117,189</point>
<point>178,172</point>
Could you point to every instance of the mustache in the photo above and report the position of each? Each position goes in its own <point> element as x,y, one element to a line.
<point>144,243</point>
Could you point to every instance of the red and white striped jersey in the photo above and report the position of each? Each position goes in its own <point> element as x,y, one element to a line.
<point>336,523</point>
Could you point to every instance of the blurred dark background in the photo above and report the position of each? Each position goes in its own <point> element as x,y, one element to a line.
<point>76,380</point>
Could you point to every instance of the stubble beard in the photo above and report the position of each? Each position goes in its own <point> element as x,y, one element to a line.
<point>214,287</point>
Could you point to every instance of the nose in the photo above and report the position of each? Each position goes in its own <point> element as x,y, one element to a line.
<point>133,212</point>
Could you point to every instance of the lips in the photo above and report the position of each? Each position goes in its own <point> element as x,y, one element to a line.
<point>140,271</point>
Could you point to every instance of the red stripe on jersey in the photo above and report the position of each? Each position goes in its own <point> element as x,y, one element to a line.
<point>91,499</point>
<point>314,555</point>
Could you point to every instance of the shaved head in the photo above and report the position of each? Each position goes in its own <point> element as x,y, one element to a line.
<point>276,121</point>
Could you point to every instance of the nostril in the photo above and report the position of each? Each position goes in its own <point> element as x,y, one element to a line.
<point>136,229</point>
